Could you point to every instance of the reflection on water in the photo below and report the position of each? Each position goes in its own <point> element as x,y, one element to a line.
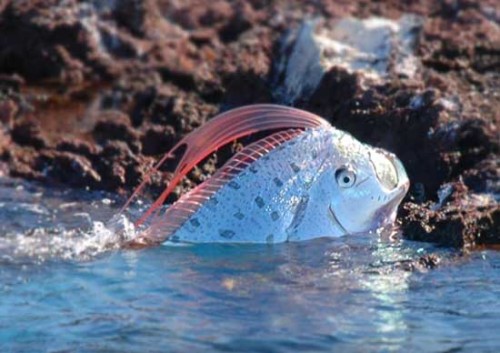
<point>326,295</point>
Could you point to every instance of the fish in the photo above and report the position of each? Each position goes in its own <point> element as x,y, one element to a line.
<point>305,180</point>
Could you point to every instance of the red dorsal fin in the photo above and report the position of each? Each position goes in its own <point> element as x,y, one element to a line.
<point>218,132</point>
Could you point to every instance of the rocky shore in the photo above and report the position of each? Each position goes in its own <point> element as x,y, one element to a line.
<point>93,92</point>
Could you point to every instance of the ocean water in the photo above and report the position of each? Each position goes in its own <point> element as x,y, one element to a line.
<point>66,286</point>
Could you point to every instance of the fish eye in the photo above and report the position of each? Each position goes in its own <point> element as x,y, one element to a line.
<point>345,177</point>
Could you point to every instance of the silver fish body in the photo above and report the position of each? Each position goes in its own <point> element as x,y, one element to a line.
<point>321,183</point>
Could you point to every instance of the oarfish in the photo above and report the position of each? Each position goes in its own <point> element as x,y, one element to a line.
<point>307,180</point>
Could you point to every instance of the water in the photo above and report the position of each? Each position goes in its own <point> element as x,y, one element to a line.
<point>66,286</point>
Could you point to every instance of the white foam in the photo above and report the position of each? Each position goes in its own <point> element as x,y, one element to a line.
<point>41,244</point>
<point>37,224</point>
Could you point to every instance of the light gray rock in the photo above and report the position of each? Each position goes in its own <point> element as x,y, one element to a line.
<point>378,48</point>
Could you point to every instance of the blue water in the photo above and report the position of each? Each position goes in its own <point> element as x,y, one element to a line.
<point>67,290</point>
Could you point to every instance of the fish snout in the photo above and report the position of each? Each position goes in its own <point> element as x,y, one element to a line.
<point>390,173</point>
<point>403,180</point>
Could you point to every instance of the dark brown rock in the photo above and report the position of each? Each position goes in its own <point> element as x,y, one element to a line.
<point>113,125</point>
<point>158,140</point>
<point>76,146</point>
<point>28,133</point>
<point>8,111</point>
<point>460,219</point>
<point>67,168</point>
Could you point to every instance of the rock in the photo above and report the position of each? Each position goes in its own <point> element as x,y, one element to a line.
<point>118,166</point>
<point>242,19</point>
<point>8,111</point>
<point>4,143</point>
<point>69,41</point>
<point>114,125</point>
<point>377,48</point>
<point>422,264</point>
<point>80,147</point>
<point>28,133</point>
<point>67,168</point>
<point>158,140</point>
<point>459,219</point>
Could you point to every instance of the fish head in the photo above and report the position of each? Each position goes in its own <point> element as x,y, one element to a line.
<point>368,186</point>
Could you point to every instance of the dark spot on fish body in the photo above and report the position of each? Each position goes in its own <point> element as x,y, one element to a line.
<point>259,201</point>
<point>278,182</point>
<point>314,154</point>
<point>194,222</point>
<point>295,167</point>
<point>270,238</point>
<point>174,239</point>
<point>239,215</point>
<point>275,216</point>
<point>253,169</point>
<point>226,233</point>
<point>234,185</point>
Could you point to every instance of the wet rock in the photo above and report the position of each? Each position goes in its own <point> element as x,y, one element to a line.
<point>152,103</point>
<point>72,41</point>
<point>67,168</point>
<point>158,140</point>
<point>114,125</point>
<point>459,219</point>
<point>8,111</point>
<point>485,177</point>
<point>80,147</point>
<point>23,168</point>
<point>117,150</point>
<point>470,41</point>
<point>242,19</point>
<point>423,263</point>
<point>118,166</point>
<point>28,133</point>
<point>246,88</point>
<point>184,115</point>
<point>144,18</point>
<point>429,261</point>
<point>4,143</point>
<point>4,169</point>
<point>10,83</point>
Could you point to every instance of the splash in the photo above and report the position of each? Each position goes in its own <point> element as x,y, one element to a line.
<point>42,244</point>
<point>39,224</point>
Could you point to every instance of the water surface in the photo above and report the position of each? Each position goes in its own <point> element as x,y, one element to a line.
<point>66,286</point>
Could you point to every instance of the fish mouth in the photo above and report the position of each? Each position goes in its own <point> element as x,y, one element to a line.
<point>335,220</point>
<point>387,215</point>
